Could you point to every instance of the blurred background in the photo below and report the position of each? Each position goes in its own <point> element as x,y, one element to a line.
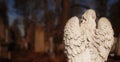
<point>32,30</point>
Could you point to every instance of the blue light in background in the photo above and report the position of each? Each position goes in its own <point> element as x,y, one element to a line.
<point>11,12</point>
<point>109,4</point>
<point>51,6</point>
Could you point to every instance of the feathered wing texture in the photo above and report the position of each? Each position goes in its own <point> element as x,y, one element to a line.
<point>86,43</point>
<point>73,39</point>
<point>72,36</point>
<point>105,38</point>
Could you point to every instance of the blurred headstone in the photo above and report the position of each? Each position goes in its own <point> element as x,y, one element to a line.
<point>39,39</point>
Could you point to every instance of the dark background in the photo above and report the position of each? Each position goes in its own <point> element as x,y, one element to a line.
<point>19,18</point>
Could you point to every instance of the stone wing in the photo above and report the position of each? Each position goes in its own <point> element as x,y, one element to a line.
<point>104,36</point>
<point>72,38</point>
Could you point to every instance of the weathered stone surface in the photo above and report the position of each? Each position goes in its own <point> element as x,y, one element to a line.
<point>88,41</point>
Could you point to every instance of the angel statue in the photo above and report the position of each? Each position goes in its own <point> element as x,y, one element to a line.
<point>87,40</point>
